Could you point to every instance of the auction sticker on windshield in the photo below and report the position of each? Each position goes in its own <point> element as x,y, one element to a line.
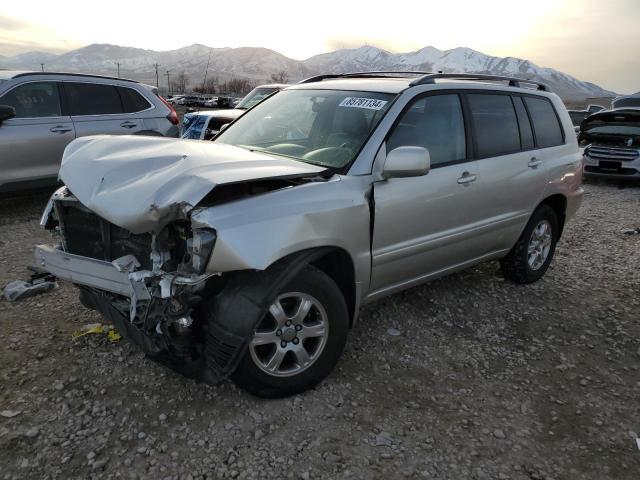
<point>357,102</point>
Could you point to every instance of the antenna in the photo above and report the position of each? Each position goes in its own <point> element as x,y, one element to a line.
<point>205,72</point>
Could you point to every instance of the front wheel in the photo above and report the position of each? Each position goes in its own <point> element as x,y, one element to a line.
<point>299,340</point>
<point>529,259</point>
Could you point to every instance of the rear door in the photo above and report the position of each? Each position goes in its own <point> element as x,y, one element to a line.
<point>511,166</point>
<point>31,143</point>
<point>98,108</point>
<point>424,225</point>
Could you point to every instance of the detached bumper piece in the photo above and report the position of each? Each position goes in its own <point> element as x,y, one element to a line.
<point>83,270</point>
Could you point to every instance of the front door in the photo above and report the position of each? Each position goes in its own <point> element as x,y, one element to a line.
<point>32,143</point>
<point>423,226</point>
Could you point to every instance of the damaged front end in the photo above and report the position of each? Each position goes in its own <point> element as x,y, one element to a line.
<point>148,285</point>
<point>183,246</point>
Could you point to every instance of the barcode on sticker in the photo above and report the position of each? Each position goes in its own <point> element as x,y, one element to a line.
<point>357,102</point>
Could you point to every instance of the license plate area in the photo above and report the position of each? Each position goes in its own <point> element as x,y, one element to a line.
<point>609,165</point>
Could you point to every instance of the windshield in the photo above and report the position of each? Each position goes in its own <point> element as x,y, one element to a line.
<point>633,130</point>
<point>633,102</point>
<point>255,96</point>
<point>322,127</point>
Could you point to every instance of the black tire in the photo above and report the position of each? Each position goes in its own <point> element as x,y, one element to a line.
<point>515,266</point>
<point>319,285</point>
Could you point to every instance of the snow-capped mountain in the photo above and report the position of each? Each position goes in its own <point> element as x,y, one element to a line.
<point>258,64</point>
<point>458,60</point>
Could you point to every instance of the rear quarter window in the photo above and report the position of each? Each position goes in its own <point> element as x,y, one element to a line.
<point>495,123</point>
<point>132,101</point>
<point>545,122</point>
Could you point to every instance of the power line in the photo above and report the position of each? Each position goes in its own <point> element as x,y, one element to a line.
<point>157,80</point>
<point>118,64</point>
<point>42,66</point>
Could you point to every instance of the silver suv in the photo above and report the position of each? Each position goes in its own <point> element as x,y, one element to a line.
<point>249,256</point>
<point>41,112</point>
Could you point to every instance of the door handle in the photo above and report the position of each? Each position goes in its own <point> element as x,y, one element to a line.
<point>534,162</point>
<point>60,129</point>
<point>467,178</point>
<point>128,124</point>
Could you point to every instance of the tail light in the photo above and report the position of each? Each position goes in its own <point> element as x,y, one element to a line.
<point>173,115</point>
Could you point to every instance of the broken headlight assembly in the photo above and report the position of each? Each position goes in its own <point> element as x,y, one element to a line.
<point>199,248</point>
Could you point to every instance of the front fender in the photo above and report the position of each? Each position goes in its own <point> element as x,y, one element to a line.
<point>256,232</point>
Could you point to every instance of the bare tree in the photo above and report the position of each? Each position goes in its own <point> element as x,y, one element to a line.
<point>210,86</point>
<point>180,83</point>
<point>236,85</point>
<point>280,77</point>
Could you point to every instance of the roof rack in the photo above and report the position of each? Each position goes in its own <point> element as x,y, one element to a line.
<point>513,82</point>
<point>86,75</point>
<point>373,74</point>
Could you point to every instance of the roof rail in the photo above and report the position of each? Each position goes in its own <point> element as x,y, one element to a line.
<point>85,75</point>
<point>513,82</point>
<point>375,74</point>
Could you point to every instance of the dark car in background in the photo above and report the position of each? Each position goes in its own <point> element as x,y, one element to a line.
<point>612,143</point>
<point>577,117</point>
<point>43,112</point>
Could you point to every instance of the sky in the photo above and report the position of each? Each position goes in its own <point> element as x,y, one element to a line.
<point>593,40</point>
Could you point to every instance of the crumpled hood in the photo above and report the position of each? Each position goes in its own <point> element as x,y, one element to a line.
<point>142,183</point>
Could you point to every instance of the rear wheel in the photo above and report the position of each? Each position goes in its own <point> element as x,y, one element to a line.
<point>299,340</point>
<point>529,259</point>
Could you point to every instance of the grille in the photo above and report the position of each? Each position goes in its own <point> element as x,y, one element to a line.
<point>89,235</point>
<point>620,171</point>
<point>612,153</point>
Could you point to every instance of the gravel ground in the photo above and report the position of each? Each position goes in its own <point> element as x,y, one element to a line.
<point>486,380</point>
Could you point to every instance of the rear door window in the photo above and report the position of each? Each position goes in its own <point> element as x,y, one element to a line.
<point>436,123</point>
<point>34,99</point>
<point>132,101</point>
<point>495,123</point>
<point>92,99</point>
<point>526,134</point>
<point>545,122</point>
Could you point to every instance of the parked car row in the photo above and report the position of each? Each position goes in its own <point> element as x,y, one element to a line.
<point>204,125</point>
<point>203,101</point>
<point>249,256</point>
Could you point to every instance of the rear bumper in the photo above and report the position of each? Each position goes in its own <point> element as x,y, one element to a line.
<point>83,270</point>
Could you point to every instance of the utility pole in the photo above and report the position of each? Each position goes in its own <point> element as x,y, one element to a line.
<point>42,66</point>
<point>157,80</point>
<point>168,81</point>
<point>205,72</point>
<point>118,65</point>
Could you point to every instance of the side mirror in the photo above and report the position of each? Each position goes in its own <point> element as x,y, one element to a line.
<point>407,162</point>
<point>6,112</point>
<point>223,127</point>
